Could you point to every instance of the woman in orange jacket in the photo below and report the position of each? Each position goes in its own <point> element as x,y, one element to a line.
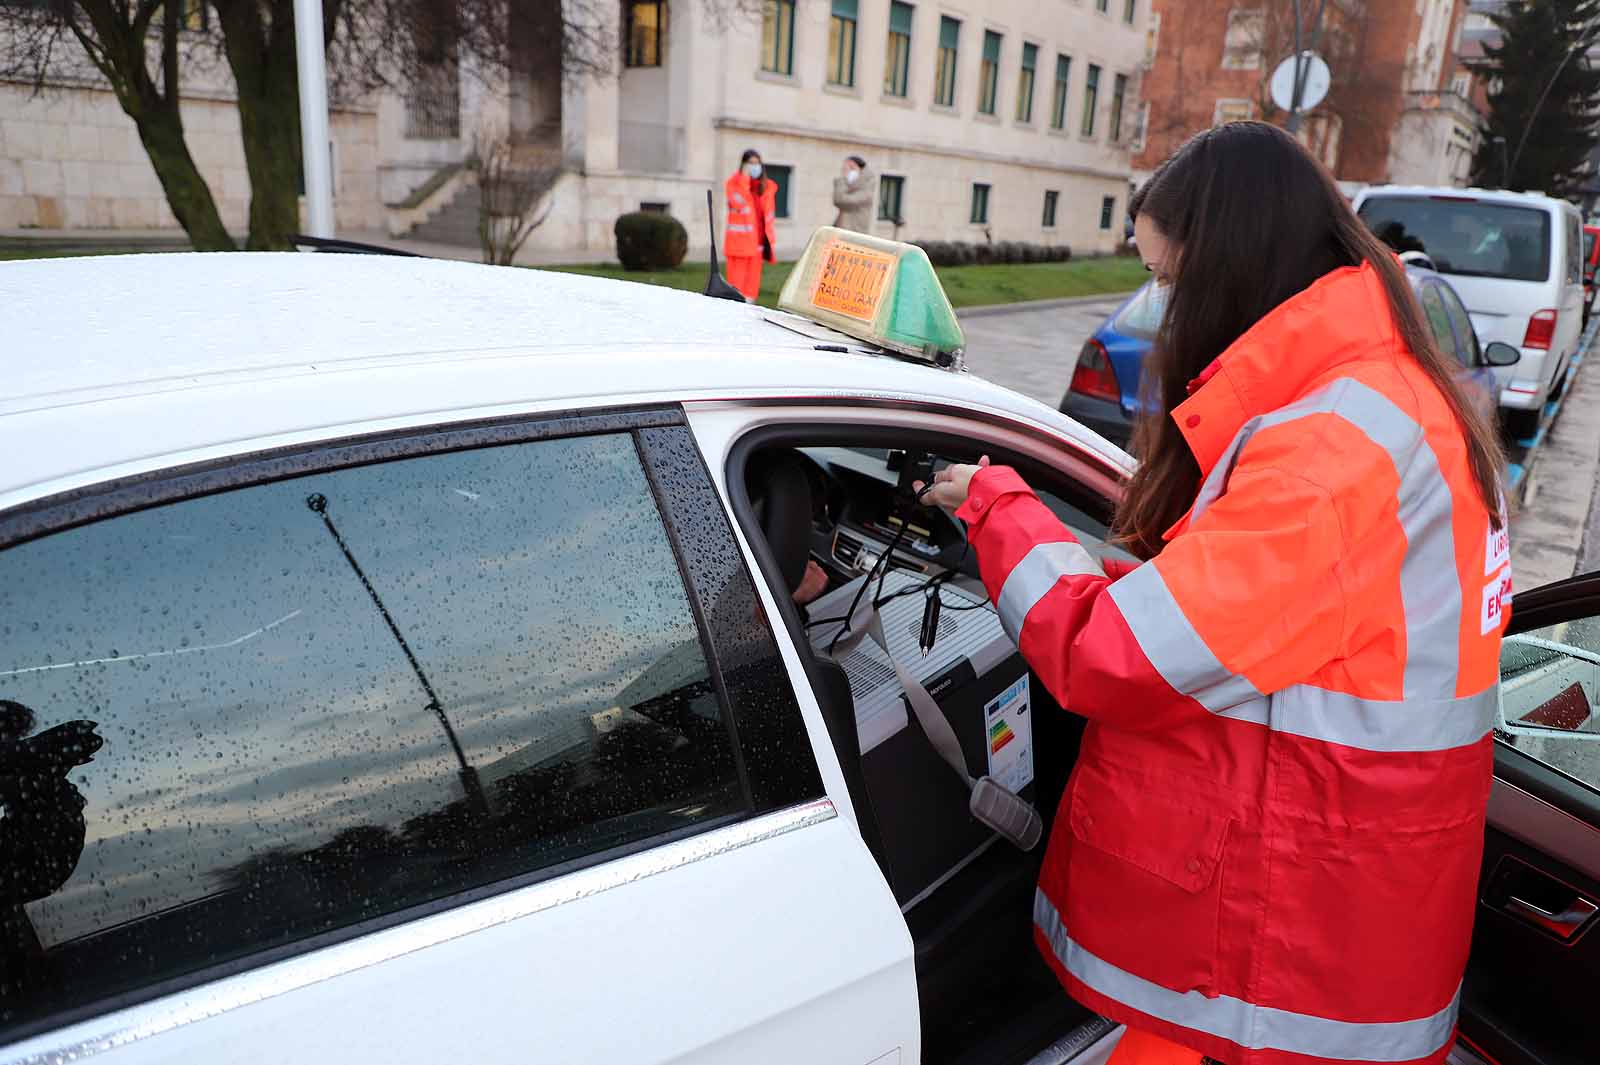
<point>1269,848</point>
<point>747,240</point>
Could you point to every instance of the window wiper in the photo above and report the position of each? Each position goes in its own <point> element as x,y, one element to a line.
<point>469,776</point>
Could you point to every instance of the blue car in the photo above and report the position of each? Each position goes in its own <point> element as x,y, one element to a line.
<point>1104,392</point>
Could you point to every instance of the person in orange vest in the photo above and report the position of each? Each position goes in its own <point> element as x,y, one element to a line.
<point>747,238</point>
<point>1269,848</point>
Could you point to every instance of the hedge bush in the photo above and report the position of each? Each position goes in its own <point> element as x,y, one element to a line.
<point>966,253</point>
<point>650,240</point>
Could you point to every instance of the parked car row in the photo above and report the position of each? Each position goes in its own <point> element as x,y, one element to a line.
<point>1506,279</point>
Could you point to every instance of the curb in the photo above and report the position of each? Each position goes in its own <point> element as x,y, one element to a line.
<point>983,310</point>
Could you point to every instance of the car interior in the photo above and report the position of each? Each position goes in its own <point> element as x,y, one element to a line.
<point>847,505</point>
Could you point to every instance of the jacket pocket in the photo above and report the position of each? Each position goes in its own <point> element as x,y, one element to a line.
<point>1144,878</point>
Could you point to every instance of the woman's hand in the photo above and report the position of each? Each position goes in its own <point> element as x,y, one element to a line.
<point>950,485</point>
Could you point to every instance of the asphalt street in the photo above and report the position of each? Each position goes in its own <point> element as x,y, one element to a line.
<point>1033,350</point>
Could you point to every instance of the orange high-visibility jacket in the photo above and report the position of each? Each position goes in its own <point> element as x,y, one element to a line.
<point>748,219</point>
<point>1269,848</point>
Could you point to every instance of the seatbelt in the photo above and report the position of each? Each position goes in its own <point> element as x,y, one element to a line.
<point>992,803</point>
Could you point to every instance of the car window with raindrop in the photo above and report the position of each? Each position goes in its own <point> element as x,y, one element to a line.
<point>232,723</point>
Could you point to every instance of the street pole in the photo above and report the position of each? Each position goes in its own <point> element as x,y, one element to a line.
<point>1302,69</point>
<point>312,65</point>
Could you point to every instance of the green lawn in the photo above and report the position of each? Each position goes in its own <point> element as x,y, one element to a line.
<point>967,286</point>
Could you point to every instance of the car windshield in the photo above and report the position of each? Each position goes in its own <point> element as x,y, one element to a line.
<point>1465,236</point>
<point>1140,317</point>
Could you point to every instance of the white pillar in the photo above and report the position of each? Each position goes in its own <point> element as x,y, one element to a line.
<point>311,62</point>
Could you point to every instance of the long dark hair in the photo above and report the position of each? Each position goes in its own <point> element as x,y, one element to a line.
<point>1255,220</point>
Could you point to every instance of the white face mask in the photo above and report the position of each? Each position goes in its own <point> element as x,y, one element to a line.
<point>752,170</point>
<point>852,176</point>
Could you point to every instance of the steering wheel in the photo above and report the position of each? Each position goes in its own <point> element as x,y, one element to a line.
<point>780,492</point>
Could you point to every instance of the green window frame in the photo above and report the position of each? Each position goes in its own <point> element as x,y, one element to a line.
<point>1102,6</point>
<point>1108,208</point>
<point>1025,77</point>
<point>944,81</point>
<point>897,61</point>
<point>1119,97</point>
<point>842,44</point>
<point>989,73</point>
<point>1127,10</point>
<point>891,198</point>
<point>644,33</point>
<point>777,37</point>
<point>980,204</point>
<point>1058,107</point>
<point>1052,198</point>
<point>1091,99</point>
<point>782,176</point>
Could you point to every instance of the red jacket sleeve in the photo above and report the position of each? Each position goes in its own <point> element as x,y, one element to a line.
<point>1124,651</point>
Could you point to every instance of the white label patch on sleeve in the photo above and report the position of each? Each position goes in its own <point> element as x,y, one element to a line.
<point>1496,600</point>
<point>1497,549</point>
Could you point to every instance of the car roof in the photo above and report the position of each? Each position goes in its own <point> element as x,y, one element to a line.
<point>1526,199</point>
<point>122,364</point>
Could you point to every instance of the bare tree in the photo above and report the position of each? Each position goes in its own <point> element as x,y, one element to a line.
<point>515,184</point>
<point>141,49</point>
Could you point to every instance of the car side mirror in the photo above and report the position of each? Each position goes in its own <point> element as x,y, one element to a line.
<point>1499,353</point>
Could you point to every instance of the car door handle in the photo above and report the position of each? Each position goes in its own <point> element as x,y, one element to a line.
<point>1564,924</point>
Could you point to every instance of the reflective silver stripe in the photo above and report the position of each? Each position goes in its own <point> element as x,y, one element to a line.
<point>1173,647</point>
<point>1245,1023</point>
<point>1031,580</point>
<point>1392,725</point>
<point>1430,588</point>
<point>740,227</point>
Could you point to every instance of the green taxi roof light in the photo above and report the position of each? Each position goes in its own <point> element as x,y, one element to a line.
<point>881,291</point>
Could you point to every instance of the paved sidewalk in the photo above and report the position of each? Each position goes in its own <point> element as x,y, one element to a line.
<point>1548,526</point>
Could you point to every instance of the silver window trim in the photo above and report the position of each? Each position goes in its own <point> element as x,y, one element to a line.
<point>147,1019</point>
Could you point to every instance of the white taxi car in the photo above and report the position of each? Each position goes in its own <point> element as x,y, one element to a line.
<point>401,661</point>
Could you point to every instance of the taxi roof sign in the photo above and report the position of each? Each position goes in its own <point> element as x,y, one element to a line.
<point>881,291</point>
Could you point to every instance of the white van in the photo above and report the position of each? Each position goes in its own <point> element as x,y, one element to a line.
<point>1515,258</point>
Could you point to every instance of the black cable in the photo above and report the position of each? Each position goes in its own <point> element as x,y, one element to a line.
<point>884,561</point>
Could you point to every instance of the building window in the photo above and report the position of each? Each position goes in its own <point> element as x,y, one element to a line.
<point>1051,198</point>
<point>1152,37</point>
<point>897,64</point>
<point>1091,99</point>
<point>1127,11</point>
<point>980,205</point>
<point>645,21</point>
<point>1119,96</point>
<point>777,36</point>
<point>944,80</point>
<point>1108,208</point>
<point>842,44</point>
<point>1241,47</point>
<point>1461,84</point>
<point>655,207</point>
<point>1102,6</point>
<point>891,195</point>
<point>783,177</point>
<point>364,720</point>
<point>1030,60</point>
<point>1141,126</point>
<point>1058,106</point>
<point>1232,111</point>
<point>989,73</point>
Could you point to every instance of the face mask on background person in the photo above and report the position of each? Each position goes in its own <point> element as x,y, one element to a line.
<point>852,176</point>
<point>752,170</point>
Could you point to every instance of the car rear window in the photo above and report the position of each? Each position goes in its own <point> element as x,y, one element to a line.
<point>1140,317</point>
<point>1464,236</point>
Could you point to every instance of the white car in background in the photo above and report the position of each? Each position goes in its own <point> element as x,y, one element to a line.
<point>1515,258</point>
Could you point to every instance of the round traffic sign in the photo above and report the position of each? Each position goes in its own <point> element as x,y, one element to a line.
<point>1314,89</point>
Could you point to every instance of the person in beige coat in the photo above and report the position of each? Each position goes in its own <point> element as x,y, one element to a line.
<point>853,193</point>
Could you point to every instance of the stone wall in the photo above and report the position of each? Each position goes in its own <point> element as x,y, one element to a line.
<point>70,158</point>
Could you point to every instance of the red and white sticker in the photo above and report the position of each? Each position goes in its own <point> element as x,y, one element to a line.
<point>1497,548</point>
<point>1496,601</point>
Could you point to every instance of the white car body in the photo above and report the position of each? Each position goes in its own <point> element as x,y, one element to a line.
<point>1501,307</point>
<point>772,939</point>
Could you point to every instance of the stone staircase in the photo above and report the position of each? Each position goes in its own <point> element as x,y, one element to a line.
<point>456,223</point>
